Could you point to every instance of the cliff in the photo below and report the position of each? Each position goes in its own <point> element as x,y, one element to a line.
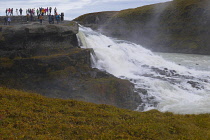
<point>22,19</point>
<point>46,59</point>
<point>179,26</point>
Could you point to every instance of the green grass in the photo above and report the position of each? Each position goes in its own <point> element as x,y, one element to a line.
<point>32,116</point>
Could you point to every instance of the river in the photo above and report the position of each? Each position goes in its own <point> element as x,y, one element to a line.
<point>191,61</point>
<point>178,83</point>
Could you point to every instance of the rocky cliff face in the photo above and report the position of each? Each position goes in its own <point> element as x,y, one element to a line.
<point>35,39</point>
<point>22,19</point>
<point>46,59</point>
<point>180,26</point>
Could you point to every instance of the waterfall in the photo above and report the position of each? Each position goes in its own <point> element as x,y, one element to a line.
<point>162,85</point>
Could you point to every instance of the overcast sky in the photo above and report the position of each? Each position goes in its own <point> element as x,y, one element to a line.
<point>75,8</point>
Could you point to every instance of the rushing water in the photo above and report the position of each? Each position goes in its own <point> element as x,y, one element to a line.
<point>169,86</point>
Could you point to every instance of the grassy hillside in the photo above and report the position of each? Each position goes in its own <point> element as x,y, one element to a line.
<point>31,116</point>
<point>90,18</point>
<point>177,26</point>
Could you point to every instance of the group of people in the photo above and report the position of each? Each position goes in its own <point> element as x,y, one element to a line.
<point>45,11</point>
<point>58,17</point>
<point>48,11</point>
<point>40,12</point>
<point>29,11</point>
<point>9,11</point>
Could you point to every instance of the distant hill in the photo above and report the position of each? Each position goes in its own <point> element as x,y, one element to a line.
<point>181,26</point>
<point>25,115</point>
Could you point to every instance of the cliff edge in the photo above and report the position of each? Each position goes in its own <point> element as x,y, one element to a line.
<point>46,59</point>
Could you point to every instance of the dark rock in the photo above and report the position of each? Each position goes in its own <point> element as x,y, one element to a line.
<point>45,59</point>
<point>31,40</point>
<point>195,85</point>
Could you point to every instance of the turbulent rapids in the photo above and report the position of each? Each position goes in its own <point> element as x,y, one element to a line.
<point>162,85</point>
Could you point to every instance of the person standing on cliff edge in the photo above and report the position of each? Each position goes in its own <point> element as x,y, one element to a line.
<point>9,11</point>
<point>55,11</point>
<point>11,14</point>
<point>6,12</point>
<point>21,11</point>
<point>5,20</point>
<point>40,18</point>
<point>9,20</point>
<point>17,12</point>
<point>50,9</point>
<point>37,11</point>
<point>57,18</point>
<point>62,17</point>
<point>52,17</point>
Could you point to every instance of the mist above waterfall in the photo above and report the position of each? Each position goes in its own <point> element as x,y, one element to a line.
<point>179,26</point>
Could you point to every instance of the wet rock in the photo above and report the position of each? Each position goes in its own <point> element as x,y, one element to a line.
<point>45,59</point>
<point>142,91</point>
<point>195,85</point>
<point>165,71</point>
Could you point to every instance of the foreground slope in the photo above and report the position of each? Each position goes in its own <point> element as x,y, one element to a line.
<point>32,116</point>
<point>180,26</point>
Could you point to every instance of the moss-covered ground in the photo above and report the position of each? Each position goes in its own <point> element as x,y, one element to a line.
<point>32,116</point>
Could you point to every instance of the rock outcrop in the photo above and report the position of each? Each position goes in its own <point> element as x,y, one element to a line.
<point>24,19</point>
<point>46,59</point>
<point>179,26</point>
<point>36,39</point>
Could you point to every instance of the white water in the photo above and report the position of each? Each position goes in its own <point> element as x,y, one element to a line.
<point>167,83</point>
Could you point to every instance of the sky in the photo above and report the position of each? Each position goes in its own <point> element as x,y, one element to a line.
<point>75,8</point>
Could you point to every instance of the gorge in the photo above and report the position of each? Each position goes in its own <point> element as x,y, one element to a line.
<point>139,73</point>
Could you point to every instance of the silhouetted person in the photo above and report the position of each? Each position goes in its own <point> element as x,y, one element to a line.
<point>50,19</point>
<point>5,20</point>
<point>50,9</point>
<point>6,12</point>
<point>53,18</point>
<point>11,12</point>
<point>47,10</point>
<point>27,17</point>
<point>62,16</point>
<point>55,10</point>
<point>21,10</point>
<point>40,18</point>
